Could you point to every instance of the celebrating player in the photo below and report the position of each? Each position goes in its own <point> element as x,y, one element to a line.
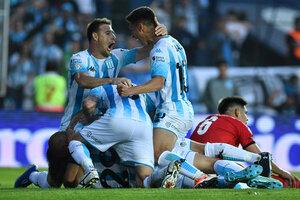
<point>97,65</point>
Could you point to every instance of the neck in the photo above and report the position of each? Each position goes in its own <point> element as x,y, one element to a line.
<point>154,39</point>
<point>96,53</point>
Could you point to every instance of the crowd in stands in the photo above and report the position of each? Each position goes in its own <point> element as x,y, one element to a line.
<point>48,32</point>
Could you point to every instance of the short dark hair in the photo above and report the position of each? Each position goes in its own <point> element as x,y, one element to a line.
<point>228,102</point>
<point>94,26</point>
<point>143,15</point>
<point>221,61</point>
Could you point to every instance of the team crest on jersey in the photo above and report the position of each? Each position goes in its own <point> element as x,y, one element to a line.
<point>92,68</point>
<point>77,66</point>
<point>109,63</point>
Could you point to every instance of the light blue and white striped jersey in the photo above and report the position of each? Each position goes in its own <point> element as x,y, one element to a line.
<point>84,61</point>
<point>168,59</point>
<point>136,107</point>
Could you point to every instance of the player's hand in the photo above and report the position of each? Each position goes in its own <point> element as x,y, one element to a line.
<point>123,80</point>
<point>123,90</point>
<point>160,29</point>
<point>290,177</point>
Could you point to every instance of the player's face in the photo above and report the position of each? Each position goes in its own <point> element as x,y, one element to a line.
<point>243,115</point>
<point>137,33</point>
<point>106,39</point>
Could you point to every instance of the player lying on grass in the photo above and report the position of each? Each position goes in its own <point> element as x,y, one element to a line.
<point>229,126</point>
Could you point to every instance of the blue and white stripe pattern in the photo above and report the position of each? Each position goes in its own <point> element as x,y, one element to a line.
<point>168,59</point>
<point>124,107</point>
<point>84,61</point>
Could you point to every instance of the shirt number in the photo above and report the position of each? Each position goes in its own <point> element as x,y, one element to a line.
<point>206,124</point>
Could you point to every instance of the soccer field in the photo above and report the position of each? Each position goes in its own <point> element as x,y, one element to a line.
<point>8,176</point>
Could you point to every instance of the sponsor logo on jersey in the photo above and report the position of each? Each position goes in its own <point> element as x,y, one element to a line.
<point>75,61</point>
<point>90,135</point>
<point>92,68</point>
<point>158,58</point>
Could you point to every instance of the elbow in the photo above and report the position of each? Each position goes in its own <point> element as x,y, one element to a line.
<point>160,86</point>
<point>89,105</point>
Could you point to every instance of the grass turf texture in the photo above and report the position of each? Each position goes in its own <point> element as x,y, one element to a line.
<point>8,176</point>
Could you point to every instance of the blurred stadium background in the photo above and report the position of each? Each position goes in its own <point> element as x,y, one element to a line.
<point>250,35</point>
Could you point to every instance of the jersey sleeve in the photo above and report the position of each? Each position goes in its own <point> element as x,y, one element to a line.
<point>245,136</point>
<point>125,56</point>
<point>159,62</point>
<point>77,64</point>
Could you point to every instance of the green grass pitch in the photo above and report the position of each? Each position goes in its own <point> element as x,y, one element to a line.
<point>8,176</point>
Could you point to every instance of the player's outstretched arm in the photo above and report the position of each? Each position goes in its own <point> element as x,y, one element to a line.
<point>86,81</point>
<point>155,84</point>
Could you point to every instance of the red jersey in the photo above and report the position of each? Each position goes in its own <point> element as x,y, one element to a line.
<point>223,129</point>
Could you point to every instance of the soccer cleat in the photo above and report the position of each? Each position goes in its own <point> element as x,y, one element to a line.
<point>265,162</point>
<point>171,174</point>
<point>246,174</point>
<point>89,179</point>
<point>23,180</point>
<point>206,181</point>
<point>265,182</point>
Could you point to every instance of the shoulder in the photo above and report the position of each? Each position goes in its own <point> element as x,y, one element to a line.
<point>79,57</point>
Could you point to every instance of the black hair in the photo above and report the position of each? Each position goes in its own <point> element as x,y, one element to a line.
<point>143,15</point>
<point>228,102</point>
<point>221,61</point>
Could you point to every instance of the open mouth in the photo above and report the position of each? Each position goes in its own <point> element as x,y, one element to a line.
<point>110,46</point>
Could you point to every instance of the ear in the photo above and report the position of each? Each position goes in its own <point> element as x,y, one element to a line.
<point>140,27</point>
<point>95,36</point>
<point>236,112</point>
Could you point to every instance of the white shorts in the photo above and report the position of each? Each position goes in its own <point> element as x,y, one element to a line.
<point>172,122</point>
<point>132,140</point>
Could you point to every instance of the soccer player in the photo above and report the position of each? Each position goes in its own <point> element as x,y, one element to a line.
<point>125,126</point>
<point>174,112</point>
<point>98,65</point>
<point>95,66</point>
<point>229,126</point>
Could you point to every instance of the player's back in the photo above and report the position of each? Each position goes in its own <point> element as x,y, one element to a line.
<point>219,129</point>
<point>135,107</point>
<point>168,59</point>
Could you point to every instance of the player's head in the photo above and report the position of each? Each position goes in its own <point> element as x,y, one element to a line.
<point>101,35</point>
<point>142,23</point>
<point>58,145</point>
<point>57,156</point>
<point>234,106</point>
